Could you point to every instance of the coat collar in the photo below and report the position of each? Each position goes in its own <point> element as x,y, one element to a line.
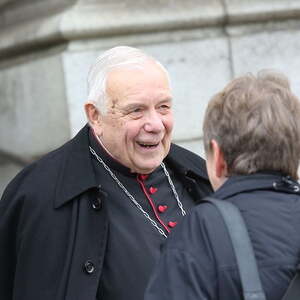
<point>186,163</point>
<point>77,174</point>
<point>259,181</point>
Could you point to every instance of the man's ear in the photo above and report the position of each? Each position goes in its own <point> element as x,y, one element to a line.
<point>220,163</point>
<point>94,117</point>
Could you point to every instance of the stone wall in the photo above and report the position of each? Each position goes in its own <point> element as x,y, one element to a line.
<point>46,48</point>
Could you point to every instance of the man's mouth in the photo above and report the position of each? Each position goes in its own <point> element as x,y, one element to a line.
<point>148,145</point>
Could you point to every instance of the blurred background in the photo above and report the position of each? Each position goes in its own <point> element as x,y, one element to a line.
<point>47,46</point>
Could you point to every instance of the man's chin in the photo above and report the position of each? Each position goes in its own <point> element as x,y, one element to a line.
<point>145,164</point>
<point>146,169</point>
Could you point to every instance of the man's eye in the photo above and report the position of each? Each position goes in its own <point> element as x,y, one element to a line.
<point>136,110</point>
<point>164,107</point>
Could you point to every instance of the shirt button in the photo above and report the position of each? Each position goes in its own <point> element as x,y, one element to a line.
<point>152,190</point>
<point>162,208</point>
<point>89,267</point>
<point>143,176</point>
<point>172,224</point>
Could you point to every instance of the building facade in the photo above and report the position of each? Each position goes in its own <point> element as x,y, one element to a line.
<point>46,48</point>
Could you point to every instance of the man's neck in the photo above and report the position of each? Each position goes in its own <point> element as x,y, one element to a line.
<point>107,151</point>
<point>103,146</point>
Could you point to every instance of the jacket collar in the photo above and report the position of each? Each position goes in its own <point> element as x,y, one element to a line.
<point>259,181</point>
<point>77,174</point>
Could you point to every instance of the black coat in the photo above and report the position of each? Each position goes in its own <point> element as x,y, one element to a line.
<point>53,224</point>
<point>198,260</point>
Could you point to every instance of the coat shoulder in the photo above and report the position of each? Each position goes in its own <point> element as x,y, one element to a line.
<point>189,160</point>
<point>38,175</point>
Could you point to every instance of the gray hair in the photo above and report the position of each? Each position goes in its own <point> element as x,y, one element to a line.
<point>255,120</point>
<point>117,57</point>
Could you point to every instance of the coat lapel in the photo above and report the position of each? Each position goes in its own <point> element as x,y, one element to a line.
<point>76,174</point>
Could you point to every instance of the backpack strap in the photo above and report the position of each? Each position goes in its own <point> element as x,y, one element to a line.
<point>293,291</point>
<point>251,284</point>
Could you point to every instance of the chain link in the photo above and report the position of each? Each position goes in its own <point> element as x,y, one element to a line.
<point>173,189</point>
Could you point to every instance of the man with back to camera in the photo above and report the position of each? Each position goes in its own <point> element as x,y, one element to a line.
<point>87,220</point>
<point>252,144</point>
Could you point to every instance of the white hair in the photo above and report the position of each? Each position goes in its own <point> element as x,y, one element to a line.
<point>117,57</point>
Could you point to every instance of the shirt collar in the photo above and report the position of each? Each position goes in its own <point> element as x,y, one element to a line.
<point>107,158</point>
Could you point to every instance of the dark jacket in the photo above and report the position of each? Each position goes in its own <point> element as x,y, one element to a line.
<point>53,223</point>
<point>198,260</point>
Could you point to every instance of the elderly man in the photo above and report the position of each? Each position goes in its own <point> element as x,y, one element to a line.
<point>87,220</point>
<point>252,141</point>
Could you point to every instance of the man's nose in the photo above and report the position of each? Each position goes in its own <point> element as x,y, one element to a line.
<point>154,122</point>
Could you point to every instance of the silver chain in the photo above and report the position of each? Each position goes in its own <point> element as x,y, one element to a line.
<point>146,215</point>
<point>173,189</point>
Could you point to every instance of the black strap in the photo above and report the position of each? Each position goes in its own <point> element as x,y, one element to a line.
<point>251,284</point>
<point>293,291</point>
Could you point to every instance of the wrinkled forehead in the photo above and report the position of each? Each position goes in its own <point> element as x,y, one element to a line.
<point>144,66</point>
<point>148,79</point>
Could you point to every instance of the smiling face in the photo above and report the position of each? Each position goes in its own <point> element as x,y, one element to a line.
<point>136,130</point>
